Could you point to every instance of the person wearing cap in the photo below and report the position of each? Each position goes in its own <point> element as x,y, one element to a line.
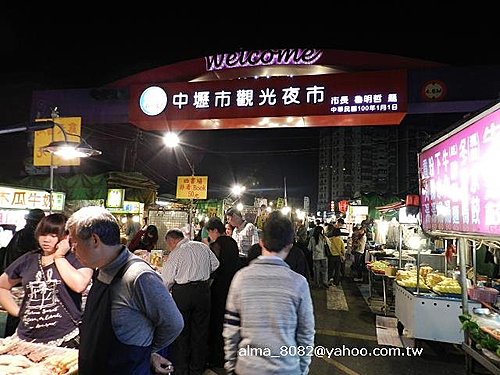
<point>24,240</point>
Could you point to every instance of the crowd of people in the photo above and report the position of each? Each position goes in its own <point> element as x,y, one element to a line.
<point>197,312</point>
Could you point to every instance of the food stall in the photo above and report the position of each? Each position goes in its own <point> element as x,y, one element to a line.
<point>460,198</point>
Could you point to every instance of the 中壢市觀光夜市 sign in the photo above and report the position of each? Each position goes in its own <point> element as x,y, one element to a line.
<point>366,98</point>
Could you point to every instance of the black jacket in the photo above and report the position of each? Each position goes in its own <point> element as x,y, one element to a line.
<point>22,242</point>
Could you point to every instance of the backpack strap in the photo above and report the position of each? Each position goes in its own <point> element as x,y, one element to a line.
<point>126,266</point>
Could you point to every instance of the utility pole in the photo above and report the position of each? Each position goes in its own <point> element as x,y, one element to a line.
<point>284,184</point>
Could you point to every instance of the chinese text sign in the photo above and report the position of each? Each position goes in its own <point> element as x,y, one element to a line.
<point>192,187</point>
<point>460,185</point>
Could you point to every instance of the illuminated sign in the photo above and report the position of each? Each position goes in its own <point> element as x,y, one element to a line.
<point>314,100</point>
<point>129,207</point>
<point>459,186</point>
<point>371,102</point>
<point>192,187</point>
<point>434,90</point>
<point>26,199</point>
<point>240,59</point>
<point>42,138</point>
<point>115,198</point>
<point>153,100</point>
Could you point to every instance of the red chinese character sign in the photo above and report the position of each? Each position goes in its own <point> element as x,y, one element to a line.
<point>192,187</point>
<point>343,205</point>
<point>361,98</point>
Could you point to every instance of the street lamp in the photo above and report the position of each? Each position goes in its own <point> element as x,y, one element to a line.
<point>28,127</point>
<point>172,140</point>
<point>68,149</point>
<point>237,190</point>
<point>65,149</point>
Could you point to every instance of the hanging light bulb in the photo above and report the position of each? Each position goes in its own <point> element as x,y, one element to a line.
<point>70,150</point>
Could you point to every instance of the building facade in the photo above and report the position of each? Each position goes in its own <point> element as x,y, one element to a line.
<point>360,159</point>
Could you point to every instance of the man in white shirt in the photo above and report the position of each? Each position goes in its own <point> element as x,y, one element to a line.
<point>244,233</point>
<point>186,274</point>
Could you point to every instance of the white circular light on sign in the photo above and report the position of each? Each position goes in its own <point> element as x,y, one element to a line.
<point>153,100</point>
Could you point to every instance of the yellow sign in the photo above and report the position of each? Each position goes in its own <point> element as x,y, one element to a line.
<point>280,203</point>
<point>192,187</point>
<point>42,138</point>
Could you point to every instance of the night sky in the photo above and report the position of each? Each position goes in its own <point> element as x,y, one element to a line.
<point>46,47</point>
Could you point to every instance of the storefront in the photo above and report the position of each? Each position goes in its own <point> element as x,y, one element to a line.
<point>15,202</point>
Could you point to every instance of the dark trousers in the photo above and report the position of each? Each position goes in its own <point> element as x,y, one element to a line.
<point>309,259</point>
<point>218,290</point>
<point>331,265</point>
<point>359,264</point>
<point>337,262</point>
<point>189,350</point>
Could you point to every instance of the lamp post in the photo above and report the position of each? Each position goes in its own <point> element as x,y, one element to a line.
<point>65,149</point>
<point>172,140</point>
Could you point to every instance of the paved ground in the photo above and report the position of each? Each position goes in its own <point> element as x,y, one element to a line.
<point>356,329</point>
<point>347,323</point>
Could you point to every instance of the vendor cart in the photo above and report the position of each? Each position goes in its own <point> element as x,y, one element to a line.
<point>428,316</point>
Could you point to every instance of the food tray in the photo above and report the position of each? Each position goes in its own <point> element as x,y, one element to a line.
<point>16,354</point>
<point>452,295</point>
<point>413,289</point>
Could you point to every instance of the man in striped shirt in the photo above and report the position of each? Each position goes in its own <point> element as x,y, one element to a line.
<point>186,274</point>
<point>269,311</point>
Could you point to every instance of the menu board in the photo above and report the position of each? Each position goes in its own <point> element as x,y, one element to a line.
<point>460,179</point>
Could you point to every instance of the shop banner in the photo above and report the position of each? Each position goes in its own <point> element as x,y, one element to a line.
<point>459,184</point>
<point>344,99</point>
<point>192,187</point>
<point>25,199</point>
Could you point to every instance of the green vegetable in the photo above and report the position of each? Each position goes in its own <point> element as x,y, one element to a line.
<point>482,339</point>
